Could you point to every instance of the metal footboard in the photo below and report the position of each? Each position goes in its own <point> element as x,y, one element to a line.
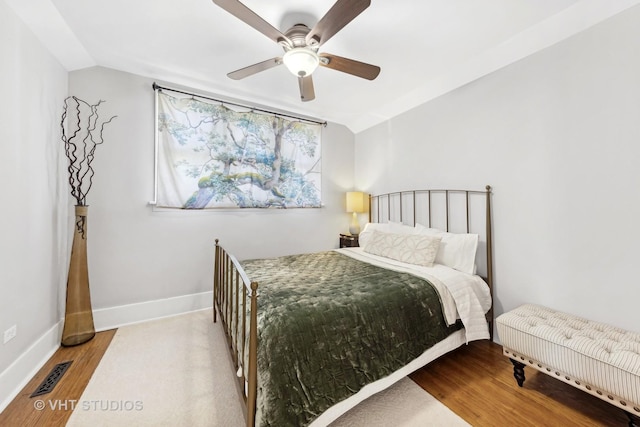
<point>235,302</point>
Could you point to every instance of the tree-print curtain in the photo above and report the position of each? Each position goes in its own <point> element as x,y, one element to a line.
<point>210,156</point>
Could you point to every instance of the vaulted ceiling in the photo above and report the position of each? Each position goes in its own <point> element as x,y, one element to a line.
<point>424,47</point>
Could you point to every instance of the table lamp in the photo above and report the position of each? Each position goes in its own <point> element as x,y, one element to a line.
<point>355,205</point>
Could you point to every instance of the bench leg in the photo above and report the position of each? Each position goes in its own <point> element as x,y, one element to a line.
<point>518,371</point>
<point>634,421</point>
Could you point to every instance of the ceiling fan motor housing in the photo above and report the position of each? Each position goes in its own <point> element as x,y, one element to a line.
<point>298,37</point>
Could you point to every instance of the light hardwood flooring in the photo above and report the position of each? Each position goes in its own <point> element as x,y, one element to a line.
<point>475,381</point>
<point>22,410</point>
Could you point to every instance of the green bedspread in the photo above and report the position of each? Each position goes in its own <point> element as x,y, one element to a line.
<point>328,325</point>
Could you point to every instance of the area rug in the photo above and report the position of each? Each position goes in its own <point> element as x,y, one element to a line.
<point>176,372</point>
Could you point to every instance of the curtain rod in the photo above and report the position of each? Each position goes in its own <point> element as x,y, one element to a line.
<point>158,87</point>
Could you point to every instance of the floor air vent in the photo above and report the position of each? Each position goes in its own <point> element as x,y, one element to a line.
<point>52,379</point>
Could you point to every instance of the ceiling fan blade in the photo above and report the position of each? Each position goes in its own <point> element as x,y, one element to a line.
<point>249,17</point>
<point>255,68</point>
<point>340,14</point>
<point>350,66</point>
<point>306,88</point>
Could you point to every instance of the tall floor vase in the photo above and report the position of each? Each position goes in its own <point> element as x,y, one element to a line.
<point>78,318</point>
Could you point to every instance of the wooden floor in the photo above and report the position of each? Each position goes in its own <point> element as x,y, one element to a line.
<point>475,381</point>
<point>55,408</point>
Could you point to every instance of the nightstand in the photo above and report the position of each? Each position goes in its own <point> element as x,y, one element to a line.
<point>348,241</point>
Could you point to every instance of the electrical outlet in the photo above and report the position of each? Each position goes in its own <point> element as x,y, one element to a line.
<point>10,333</point>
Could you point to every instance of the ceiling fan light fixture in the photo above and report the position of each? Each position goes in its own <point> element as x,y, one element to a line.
<point>301,61</point>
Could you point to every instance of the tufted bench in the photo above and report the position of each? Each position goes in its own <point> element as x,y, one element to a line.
<point>597,358</point>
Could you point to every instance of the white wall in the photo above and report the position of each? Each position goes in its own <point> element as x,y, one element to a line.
<point>34,226</point>
<point>557,135</point>
<point>137,254</point>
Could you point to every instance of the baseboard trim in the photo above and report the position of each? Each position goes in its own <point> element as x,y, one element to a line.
<point>26,366</point>
<point>115,317</point>
<point>19,373</point>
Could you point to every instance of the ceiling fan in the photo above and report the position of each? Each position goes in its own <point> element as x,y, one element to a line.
<point>301,44</point>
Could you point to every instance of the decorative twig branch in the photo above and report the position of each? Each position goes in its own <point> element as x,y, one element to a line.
<point>80,143</point>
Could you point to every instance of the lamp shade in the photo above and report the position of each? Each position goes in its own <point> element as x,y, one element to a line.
<point>356,202</point>
<point>301,61</point>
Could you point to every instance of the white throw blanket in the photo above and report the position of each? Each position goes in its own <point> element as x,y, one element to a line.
<point>463,296</point>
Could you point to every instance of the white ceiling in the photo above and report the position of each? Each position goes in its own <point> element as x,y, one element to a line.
<point>424,47</point>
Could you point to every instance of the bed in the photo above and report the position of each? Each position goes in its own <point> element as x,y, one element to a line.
<point>312,335</point>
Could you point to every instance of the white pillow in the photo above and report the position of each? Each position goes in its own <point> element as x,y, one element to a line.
<point>457,251</point>
<point>367,231</point>
<point>389,227</point>
<point>410,248</point>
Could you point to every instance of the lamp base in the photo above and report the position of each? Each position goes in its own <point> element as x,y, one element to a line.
<point>354,227</point>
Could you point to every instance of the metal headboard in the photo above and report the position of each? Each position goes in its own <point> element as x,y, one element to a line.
<point>449,210</point>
